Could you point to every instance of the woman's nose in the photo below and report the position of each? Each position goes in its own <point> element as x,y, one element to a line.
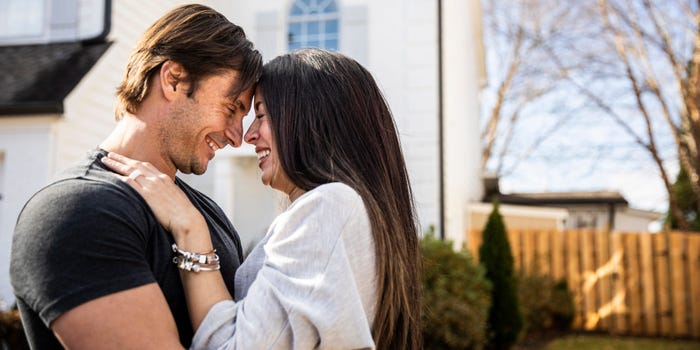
<point>251,135</point>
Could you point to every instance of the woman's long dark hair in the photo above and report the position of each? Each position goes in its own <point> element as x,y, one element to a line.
<point>332,124</point>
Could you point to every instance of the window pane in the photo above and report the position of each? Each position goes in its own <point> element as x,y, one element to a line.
<point>313,28</point>
<point>21,18</point>
<point>331,45</point>
<point>331,26</point>
<point>24,22</point>
<point>296,9</point>
<point>91,18</point>
<point>295,28</point>
<point>329,6</point>
<point>294,46</point>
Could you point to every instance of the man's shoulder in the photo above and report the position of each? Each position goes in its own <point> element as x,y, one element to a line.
<point>82,193</point>
<point>86,180</point>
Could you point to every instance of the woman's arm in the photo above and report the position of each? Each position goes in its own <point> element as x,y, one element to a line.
<point>176,213</point>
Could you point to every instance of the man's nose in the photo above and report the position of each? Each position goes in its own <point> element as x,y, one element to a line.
<point>233,136</point>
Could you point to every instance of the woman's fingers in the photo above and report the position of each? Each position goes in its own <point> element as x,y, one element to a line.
<point>170,205</point>
<point>128,167</point>
<point>116,165</point>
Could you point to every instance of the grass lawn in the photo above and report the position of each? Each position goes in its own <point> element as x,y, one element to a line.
<point>606,342</point>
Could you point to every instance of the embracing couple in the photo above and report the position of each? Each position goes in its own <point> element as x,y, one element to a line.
<point>119,253</point>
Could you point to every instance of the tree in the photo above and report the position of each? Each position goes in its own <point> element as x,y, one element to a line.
<point>519,34</point>
<point>648,81</point>
<point>505,319</point>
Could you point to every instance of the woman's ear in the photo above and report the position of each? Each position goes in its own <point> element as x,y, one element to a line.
<point>172,79</point>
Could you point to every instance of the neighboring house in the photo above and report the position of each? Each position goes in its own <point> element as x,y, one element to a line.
<point>519,216</point>
<point>600,210</point>
<point>57,94</point>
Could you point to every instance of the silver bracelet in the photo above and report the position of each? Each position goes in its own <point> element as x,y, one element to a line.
<point>196,262</point>
<point>208,258</point>
<point>184,264</point>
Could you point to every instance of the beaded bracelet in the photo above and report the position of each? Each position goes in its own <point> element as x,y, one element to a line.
<point>195,262</point>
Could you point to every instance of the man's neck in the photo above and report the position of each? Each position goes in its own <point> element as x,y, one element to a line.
<point>136,139</point>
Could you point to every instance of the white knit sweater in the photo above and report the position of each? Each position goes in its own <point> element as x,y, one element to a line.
<point>314,282</point>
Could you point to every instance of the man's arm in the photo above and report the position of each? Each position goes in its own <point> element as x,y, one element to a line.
<point>137,318</point>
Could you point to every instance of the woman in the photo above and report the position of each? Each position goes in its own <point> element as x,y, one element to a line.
<point>340,267</point>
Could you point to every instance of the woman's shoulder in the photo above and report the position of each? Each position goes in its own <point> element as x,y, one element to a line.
<point>331,192</point>
<point>332,201</point>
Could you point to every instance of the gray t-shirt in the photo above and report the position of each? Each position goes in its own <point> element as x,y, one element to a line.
<point>310,283</point>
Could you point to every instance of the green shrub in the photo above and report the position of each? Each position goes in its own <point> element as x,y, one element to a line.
<point>562,306</point>
<point>687,202</point>
<point>505,321</point>
<point>456,297</point>
<point>545,304</point>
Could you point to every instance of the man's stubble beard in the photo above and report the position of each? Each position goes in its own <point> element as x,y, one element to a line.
<point>185,158</point>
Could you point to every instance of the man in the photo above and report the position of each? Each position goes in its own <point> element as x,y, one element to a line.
<point>91,268</point>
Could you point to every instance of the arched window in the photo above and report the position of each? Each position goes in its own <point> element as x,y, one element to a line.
<point>313,23</point>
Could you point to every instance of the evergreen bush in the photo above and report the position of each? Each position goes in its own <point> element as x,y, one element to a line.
<point>687,202</point>
<point>505,320</point>
<point>456,297</point>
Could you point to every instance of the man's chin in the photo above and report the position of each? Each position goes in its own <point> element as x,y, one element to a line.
<point>199,171</point>
<point>196,169</point>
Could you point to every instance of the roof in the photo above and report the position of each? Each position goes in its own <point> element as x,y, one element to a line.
<point>563,198</point>
<point>36,79</point>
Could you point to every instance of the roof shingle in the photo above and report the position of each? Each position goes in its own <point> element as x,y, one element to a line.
<point>35,79</point>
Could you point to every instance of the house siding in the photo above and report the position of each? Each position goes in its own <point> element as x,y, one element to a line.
<point>26,147</point>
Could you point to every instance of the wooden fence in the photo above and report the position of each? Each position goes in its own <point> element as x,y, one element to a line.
<point>623,283</point>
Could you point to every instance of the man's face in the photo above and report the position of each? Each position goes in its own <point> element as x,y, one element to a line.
<point>204,122</point>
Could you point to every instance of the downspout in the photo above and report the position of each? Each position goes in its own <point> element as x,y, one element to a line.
<point>441,160</point>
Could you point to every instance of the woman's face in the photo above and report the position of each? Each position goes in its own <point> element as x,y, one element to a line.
<point>259,134</point>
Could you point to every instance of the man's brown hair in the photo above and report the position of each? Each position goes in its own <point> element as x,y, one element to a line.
<point>199,38</point>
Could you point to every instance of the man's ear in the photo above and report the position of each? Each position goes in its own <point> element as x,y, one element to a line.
<point>173,79</point>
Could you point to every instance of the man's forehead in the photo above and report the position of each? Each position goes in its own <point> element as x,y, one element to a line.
<point>234,88</point>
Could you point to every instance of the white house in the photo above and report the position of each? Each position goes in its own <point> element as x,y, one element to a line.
<point>429,64</point>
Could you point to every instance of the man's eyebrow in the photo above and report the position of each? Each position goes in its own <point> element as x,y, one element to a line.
<point>235,90</point>
<point>233,93</point>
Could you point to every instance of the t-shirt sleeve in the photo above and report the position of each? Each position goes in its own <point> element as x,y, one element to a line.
<point>305,295</point>
<point>76,241</point>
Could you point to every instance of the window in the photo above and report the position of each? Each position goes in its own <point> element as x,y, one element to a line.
<point>24,22</point>
<point>21,18</point>
<point>313,23</point>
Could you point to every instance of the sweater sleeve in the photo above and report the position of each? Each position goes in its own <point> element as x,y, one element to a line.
<point>315,288</point>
